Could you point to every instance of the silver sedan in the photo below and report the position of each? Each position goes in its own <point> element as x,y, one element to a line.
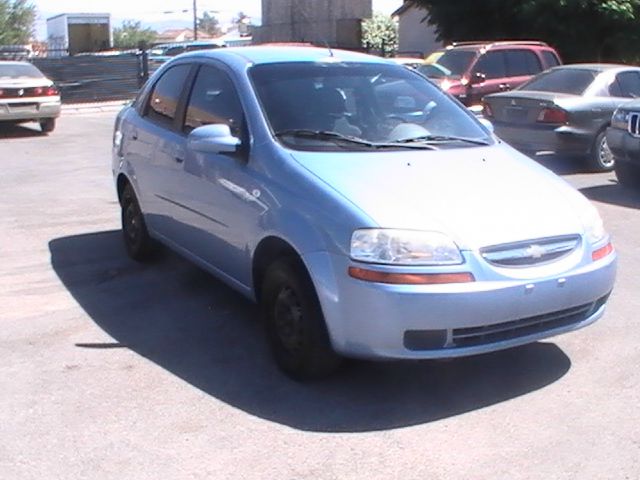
<point>26,95</point>
<point>565,110</point>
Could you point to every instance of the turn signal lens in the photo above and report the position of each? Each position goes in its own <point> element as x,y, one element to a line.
<point>602,252</point>
<point>410,278</point>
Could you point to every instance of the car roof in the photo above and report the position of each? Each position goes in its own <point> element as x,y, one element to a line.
<point>257,55</point>
<point>598,67</point>
<point>498,44</point>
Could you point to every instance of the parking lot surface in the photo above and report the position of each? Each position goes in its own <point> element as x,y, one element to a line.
<point>114,370</point>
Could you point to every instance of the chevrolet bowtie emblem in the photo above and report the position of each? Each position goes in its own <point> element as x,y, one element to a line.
<point>535,251</point>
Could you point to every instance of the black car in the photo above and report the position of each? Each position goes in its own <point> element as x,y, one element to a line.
<point>623,137</point>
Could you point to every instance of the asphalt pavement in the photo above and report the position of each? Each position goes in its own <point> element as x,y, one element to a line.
<point>114,370</point>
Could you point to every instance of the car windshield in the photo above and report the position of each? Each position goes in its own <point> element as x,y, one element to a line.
<point>26,70</point>
<point>454,61</point>
<point>360,106</point>
<point>434,70</point>
<point>573,81</point>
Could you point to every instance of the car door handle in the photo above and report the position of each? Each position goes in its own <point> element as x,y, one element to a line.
<point>134,136</point>
<point>504,86</point>
<point>179,159</point>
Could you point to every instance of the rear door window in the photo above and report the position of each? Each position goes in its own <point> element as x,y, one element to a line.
<point>628,84</point>
<point>164,99</point>
<point>522,63</point>
<point>492,65</point>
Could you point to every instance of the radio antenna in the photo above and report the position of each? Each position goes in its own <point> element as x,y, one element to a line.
<point>308,21</point>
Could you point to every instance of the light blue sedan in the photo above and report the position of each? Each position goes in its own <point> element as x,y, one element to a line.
<point>367,211</point>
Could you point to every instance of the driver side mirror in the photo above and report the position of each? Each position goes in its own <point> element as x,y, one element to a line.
<point>216,138</point>
<point>477,78</point>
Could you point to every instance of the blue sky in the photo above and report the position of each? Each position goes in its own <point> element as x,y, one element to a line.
<point>152,11</point>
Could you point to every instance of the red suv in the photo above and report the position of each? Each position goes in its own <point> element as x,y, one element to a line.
<point>471,70</point>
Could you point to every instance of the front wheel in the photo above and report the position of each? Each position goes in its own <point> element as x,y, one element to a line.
<point>628,174</point>
<point>295,325</point>
<point>601,158</point>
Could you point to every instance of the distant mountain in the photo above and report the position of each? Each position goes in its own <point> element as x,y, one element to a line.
<point>162,25</point>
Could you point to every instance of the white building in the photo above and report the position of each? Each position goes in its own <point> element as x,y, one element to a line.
<point>415,36</point>
<point>72,33</point>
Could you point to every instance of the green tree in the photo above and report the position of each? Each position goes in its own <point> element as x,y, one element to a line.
<point>17,18</point>
<point>131,35</point>
<point>209,24</point>
<point>380,34</point>
<point>583,30</point>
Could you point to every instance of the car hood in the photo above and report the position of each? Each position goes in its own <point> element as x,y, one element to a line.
<point>478,196</point>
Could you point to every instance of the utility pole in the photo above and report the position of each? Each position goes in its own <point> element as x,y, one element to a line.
<point>195,20</point>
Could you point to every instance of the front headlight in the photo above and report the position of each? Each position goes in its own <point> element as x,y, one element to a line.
<point>620,119</point>
<point>404,247</point>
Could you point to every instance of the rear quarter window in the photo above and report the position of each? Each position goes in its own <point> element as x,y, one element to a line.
<point>550,59</point>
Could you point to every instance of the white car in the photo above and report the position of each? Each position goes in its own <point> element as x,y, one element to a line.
<point>26,95</point>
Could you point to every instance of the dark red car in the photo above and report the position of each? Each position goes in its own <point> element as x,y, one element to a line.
<point>471,70</point>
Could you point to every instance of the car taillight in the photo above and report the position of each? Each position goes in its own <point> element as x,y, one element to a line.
<point>42,92</point>
<point>553,115</point>
<point>486,110</point>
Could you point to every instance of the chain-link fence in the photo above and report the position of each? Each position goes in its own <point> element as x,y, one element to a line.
<point>96,77</point>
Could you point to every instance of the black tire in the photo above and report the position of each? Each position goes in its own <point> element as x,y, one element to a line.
<point>140,246</point>
<point>601,158</point>
<point>295,325</point>
<point>47,125</point>
<point>628,174</point>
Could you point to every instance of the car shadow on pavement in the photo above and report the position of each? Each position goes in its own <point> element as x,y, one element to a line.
<point>614,194</point>
<point>20,131</point>
<point>196,328</point>
<point>561,165</point>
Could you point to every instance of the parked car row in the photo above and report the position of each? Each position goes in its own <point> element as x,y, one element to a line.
<point>366,211</point>
<point>565,110</point>
<point>540,106</point>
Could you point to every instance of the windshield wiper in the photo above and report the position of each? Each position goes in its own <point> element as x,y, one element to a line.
<point>339,137</point>
<point>444,139</point>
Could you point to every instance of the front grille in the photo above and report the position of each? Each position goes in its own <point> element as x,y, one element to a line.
<point>473,336</point>
<point>530,252</point>
<point>634,124</point>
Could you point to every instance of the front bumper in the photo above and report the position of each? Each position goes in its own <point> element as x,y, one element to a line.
<point>563,140</point>
<point>29,109</point>
<point>371,320</point>
<point>623,145</point>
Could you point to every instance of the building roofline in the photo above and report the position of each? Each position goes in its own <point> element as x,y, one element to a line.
<point>96,15</point>
<point>403,8</point>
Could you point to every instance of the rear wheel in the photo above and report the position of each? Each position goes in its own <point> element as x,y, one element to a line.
<point>601,158</point>
<point>628,174</point>
<point>139,244</point>
<point>295,324</point>
<point>47,125</point>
